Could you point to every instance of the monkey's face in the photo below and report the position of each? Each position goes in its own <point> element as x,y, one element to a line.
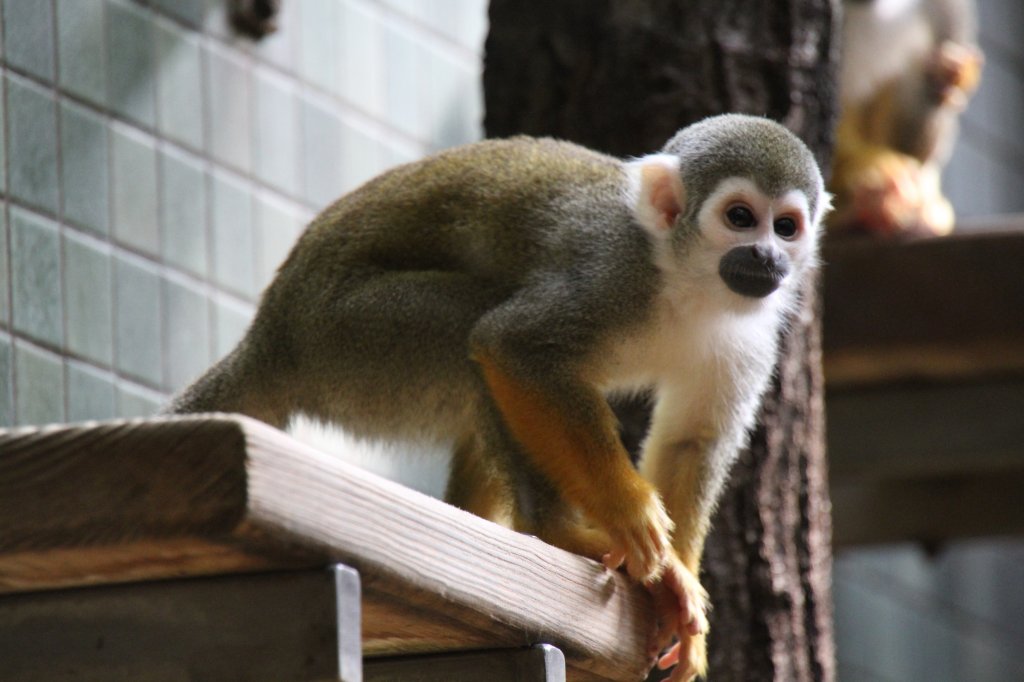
<point>760,241</point>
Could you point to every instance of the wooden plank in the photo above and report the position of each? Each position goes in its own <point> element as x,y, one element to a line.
<point>924,364</point>
<point>930,511</point>
<point>541,663</point>
<point>943,308</point>
<point>118,501</point>
<point>918,431</point>
<point>295,626</point>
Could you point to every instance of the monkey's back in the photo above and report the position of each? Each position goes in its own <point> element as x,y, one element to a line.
<point>487,207</point>
<point>398,272</point>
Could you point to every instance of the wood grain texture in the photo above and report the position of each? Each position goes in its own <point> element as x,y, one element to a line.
<point>120,501</point>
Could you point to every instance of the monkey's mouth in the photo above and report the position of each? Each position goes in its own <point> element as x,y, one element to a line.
<point>751,277</point>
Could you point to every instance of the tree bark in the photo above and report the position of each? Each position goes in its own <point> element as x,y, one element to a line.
<point>622,76</point>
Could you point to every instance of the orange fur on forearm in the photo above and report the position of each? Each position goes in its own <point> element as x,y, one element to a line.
<point>585,461</point>
<point>680,484</point>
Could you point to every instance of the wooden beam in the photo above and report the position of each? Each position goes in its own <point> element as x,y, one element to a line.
<point>924,363</point>
<point>301,626</point>
<point>920,431</point>
<point>943,308</point>
<point>145,499</point>
<point>541,663</point>
<point>929,511</point>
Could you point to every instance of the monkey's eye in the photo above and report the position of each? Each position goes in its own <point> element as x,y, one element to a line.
<point>741,216</point>
<point>785,228</point>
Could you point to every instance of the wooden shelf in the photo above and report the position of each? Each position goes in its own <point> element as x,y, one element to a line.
<point>924,364</point>
<point>115,502</point>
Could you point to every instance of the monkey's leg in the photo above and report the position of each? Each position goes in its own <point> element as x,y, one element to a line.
<point>565,427</point>
<point>477,484</point>
<point>491,477</point>
<point>680,484</point>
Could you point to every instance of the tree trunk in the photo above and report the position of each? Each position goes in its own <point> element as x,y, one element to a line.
<point>622,76</point>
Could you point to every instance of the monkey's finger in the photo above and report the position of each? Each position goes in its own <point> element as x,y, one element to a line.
<point>614,559</point>
<point>670,657</point>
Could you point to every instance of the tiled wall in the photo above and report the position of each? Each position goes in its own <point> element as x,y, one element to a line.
<point>986,172</point>
<point>156,168</point>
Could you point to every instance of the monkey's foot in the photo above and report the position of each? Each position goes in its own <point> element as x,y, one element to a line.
<point>892,193</point>
<point>641,541</point>
<point>690,657</point>
<point>681,604</point>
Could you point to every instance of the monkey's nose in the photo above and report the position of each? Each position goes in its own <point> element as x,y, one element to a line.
<point>762,254</point>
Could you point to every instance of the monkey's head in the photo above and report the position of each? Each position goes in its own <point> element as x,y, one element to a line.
<point>737,199</point>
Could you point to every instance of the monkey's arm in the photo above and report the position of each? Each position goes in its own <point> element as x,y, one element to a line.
<point>532,354</point>
<point>568,432</point>
<point>696,432</point>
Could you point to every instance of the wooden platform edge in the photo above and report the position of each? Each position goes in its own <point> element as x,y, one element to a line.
<point>127,500</point>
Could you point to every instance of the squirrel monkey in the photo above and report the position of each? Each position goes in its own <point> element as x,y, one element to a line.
<point>908,68</point>
<point>493,295</point>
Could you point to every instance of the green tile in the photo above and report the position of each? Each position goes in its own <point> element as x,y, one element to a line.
<point>230,321</point>
<point>361,157</point>
<point>189,11</point>
<point>35,274</point>
<point>280,47</point>
<point>234,252</point>
<point>91,393</point>
<point>80,40</point>
<point>130,60</point>
<point>183,211</point>
<point>136,221</point>
<point>136,401</point>
<point>39,385</point>
<point>32,150</point>
<point>28,36</point>
<point>322,153</point>
<point>278,225</point>
<point>186,333</point>
<point>361,59</point>
<point>215,19</point>
<point>276,147</point>
<point>137,314</point>
<point>229,106</point>
<point>5,279</point>
<point>6,380</point>
<point>318,44</point>
<point>84,163</point>
<point>405,62</point>
<point>454,101</point>
<point>179,89</point>
<point>89,299</point>
<point>3,148</point>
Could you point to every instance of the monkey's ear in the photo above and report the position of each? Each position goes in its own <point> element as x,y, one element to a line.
<point>657,192</point>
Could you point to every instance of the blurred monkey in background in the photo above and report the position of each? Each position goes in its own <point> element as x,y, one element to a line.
<point>908,69</point>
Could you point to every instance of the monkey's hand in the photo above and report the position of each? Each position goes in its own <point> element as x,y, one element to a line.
<point>884,192</point>
<point>681,605</point>
<point>954,71</point>
<point>641,538</point>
